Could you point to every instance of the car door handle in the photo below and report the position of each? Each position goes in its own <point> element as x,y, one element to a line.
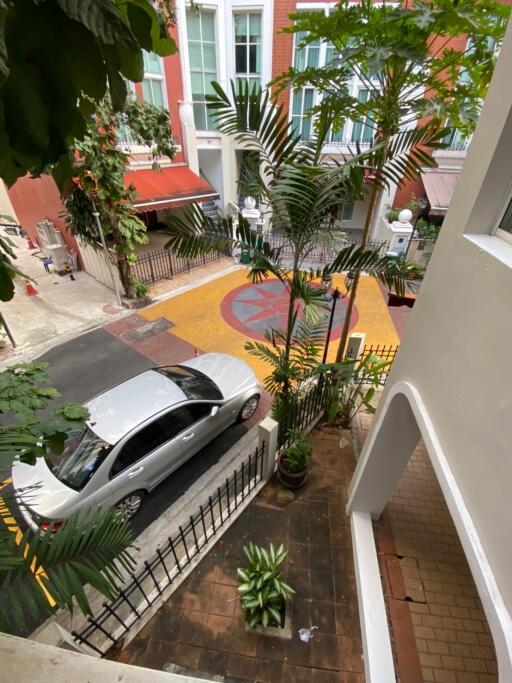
<point>134,473</point>
<point>187,437</point>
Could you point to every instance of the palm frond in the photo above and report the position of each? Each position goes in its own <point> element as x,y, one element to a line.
<point>252,118</point>
<point>193,233</point>
<point>90,548</point>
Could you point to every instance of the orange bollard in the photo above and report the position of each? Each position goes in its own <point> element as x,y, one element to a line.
<point>196,352</point>
<point>30,290</point>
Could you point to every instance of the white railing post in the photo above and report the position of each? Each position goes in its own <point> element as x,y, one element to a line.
<point>355,345</point>
<point>267,435</point>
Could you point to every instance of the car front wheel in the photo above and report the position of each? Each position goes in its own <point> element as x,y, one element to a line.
<point>248,408</point>
<point>130,505</point>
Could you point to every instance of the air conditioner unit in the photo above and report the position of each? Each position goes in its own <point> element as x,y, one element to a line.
<point>59,256</point>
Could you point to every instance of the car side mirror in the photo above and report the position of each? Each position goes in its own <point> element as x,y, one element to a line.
<point>214,412</point>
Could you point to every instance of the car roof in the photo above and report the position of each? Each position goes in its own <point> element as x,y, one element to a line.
<point>120,409</point>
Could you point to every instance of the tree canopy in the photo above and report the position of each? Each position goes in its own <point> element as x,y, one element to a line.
<point>403,57</point>
<point>57,58</point>
<point>99,172</point>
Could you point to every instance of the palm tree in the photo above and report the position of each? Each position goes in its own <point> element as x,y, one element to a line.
<point>401,56</point>
<point>298,194</point>
<point>39,573</point>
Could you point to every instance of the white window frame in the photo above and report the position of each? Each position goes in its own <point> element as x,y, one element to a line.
<point>247,75</point>
<point>206,9</point>
<point>498,232</point>
<point>354,85</point>
<point>150,76</point>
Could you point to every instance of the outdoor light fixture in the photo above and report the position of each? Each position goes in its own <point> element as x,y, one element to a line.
<point>333,296</point>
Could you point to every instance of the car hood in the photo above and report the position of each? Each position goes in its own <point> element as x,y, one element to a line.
<point>230,374</point>
<point>38,489</point>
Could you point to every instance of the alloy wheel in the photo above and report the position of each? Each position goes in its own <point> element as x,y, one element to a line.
<point>249,408</point>
<point>129,506</point>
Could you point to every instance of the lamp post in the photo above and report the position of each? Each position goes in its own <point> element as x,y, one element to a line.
<point>334,297</point>
<point>96,215</point>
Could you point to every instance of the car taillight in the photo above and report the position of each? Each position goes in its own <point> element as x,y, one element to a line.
<point>53,526</point>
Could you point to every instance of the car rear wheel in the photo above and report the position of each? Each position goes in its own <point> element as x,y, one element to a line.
<point>248,408</point>
<point>130,505</point>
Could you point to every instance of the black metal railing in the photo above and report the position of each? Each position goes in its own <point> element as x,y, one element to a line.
<point>306,409</point>
<point>385,352</point>
<point>159,264</point>
<point>144,588</point>
<point>322,252</point>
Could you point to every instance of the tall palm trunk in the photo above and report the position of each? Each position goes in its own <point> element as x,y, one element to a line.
<point>374,202</point>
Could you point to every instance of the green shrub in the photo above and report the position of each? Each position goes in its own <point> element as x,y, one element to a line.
<point>262,589</point>
<point>298,455</point>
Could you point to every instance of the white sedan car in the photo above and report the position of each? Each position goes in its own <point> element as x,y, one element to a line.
<point>139,432</point>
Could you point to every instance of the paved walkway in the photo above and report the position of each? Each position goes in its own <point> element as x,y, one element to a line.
<point>201,627</point>
<point>439,627</point>
<point>60,308</point>
<point>223,314</point>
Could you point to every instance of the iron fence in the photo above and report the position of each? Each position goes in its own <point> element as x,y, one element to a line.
<point>310,405</point>
<point>105,629</point>
<point>384,352</point>
<point>324,251</point>
<point>159,264</point>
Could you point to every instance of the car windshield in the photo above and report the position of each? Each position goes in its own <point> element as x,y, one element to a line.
<point>193,383</point>
<point>82,455</point>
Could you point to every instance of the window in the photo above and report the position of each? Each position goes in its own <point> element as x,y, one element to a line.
<point>153,83</point>
<point>156,434</point>
<point>248,48</point>
<point>505,225</point>
<point>193,383</point>
<point>305,55</point>
<point>346,212</point>
<point>362,130</point>
<point>203,64</point>
<point>301,106</point>
<point>455,139</point>
<point>82,455</point>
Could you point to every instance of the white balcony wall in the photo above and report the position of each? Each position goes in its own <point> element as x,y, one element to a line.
<point>454,371</point>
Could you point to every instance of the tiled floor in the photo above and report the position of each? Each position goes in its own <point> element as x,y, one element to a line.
<point>438,624</point>
<point>201,626</point>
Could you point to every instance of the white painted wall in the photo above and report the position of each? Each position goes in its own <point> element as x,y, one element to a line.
<point>455,359</point>
<point>6,207</point>
<point>210,145</point>
<point>210,163</point>
<point>25,660</point>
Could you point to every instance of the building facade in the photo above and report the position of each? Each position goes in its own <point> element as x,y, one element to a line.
<point>450,384</point>
<point>223,41</point>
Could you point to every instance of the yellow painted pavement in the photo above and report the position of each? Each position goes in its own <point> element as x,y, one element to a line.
<point>13,527</point>
<point>198,319</point>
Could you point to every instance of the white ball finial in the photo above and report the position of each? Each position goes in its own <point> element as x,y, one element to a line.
<point>405,216</point>
<point>250,203</point>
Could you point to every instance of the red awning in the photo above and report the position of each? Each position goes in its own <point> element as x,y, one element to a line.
<point>439,187</point>
<point>169,187</point>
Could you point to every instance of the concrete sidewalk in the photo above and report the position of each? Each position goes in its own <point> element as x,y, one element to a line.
<point>60,308</point>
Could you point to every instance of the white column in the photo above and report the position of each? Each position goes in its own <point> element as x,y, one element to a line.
<point>188,129</point>
<point>267,435</point>
<point>355,345</point>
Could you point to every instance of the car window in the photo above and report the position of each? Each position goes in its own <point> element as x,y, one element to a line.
<point>83,453</point>
<point>198,411</point>
<point>193,383</point>
<point>152,436</point>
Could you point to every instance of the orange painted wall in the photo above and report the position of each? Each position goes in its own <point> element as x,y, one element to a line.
<point>38,199</point>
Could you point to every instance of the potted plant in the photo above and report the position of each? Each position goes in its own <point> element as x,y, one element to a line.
<point>263,592</point>
<point>295,461</point>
